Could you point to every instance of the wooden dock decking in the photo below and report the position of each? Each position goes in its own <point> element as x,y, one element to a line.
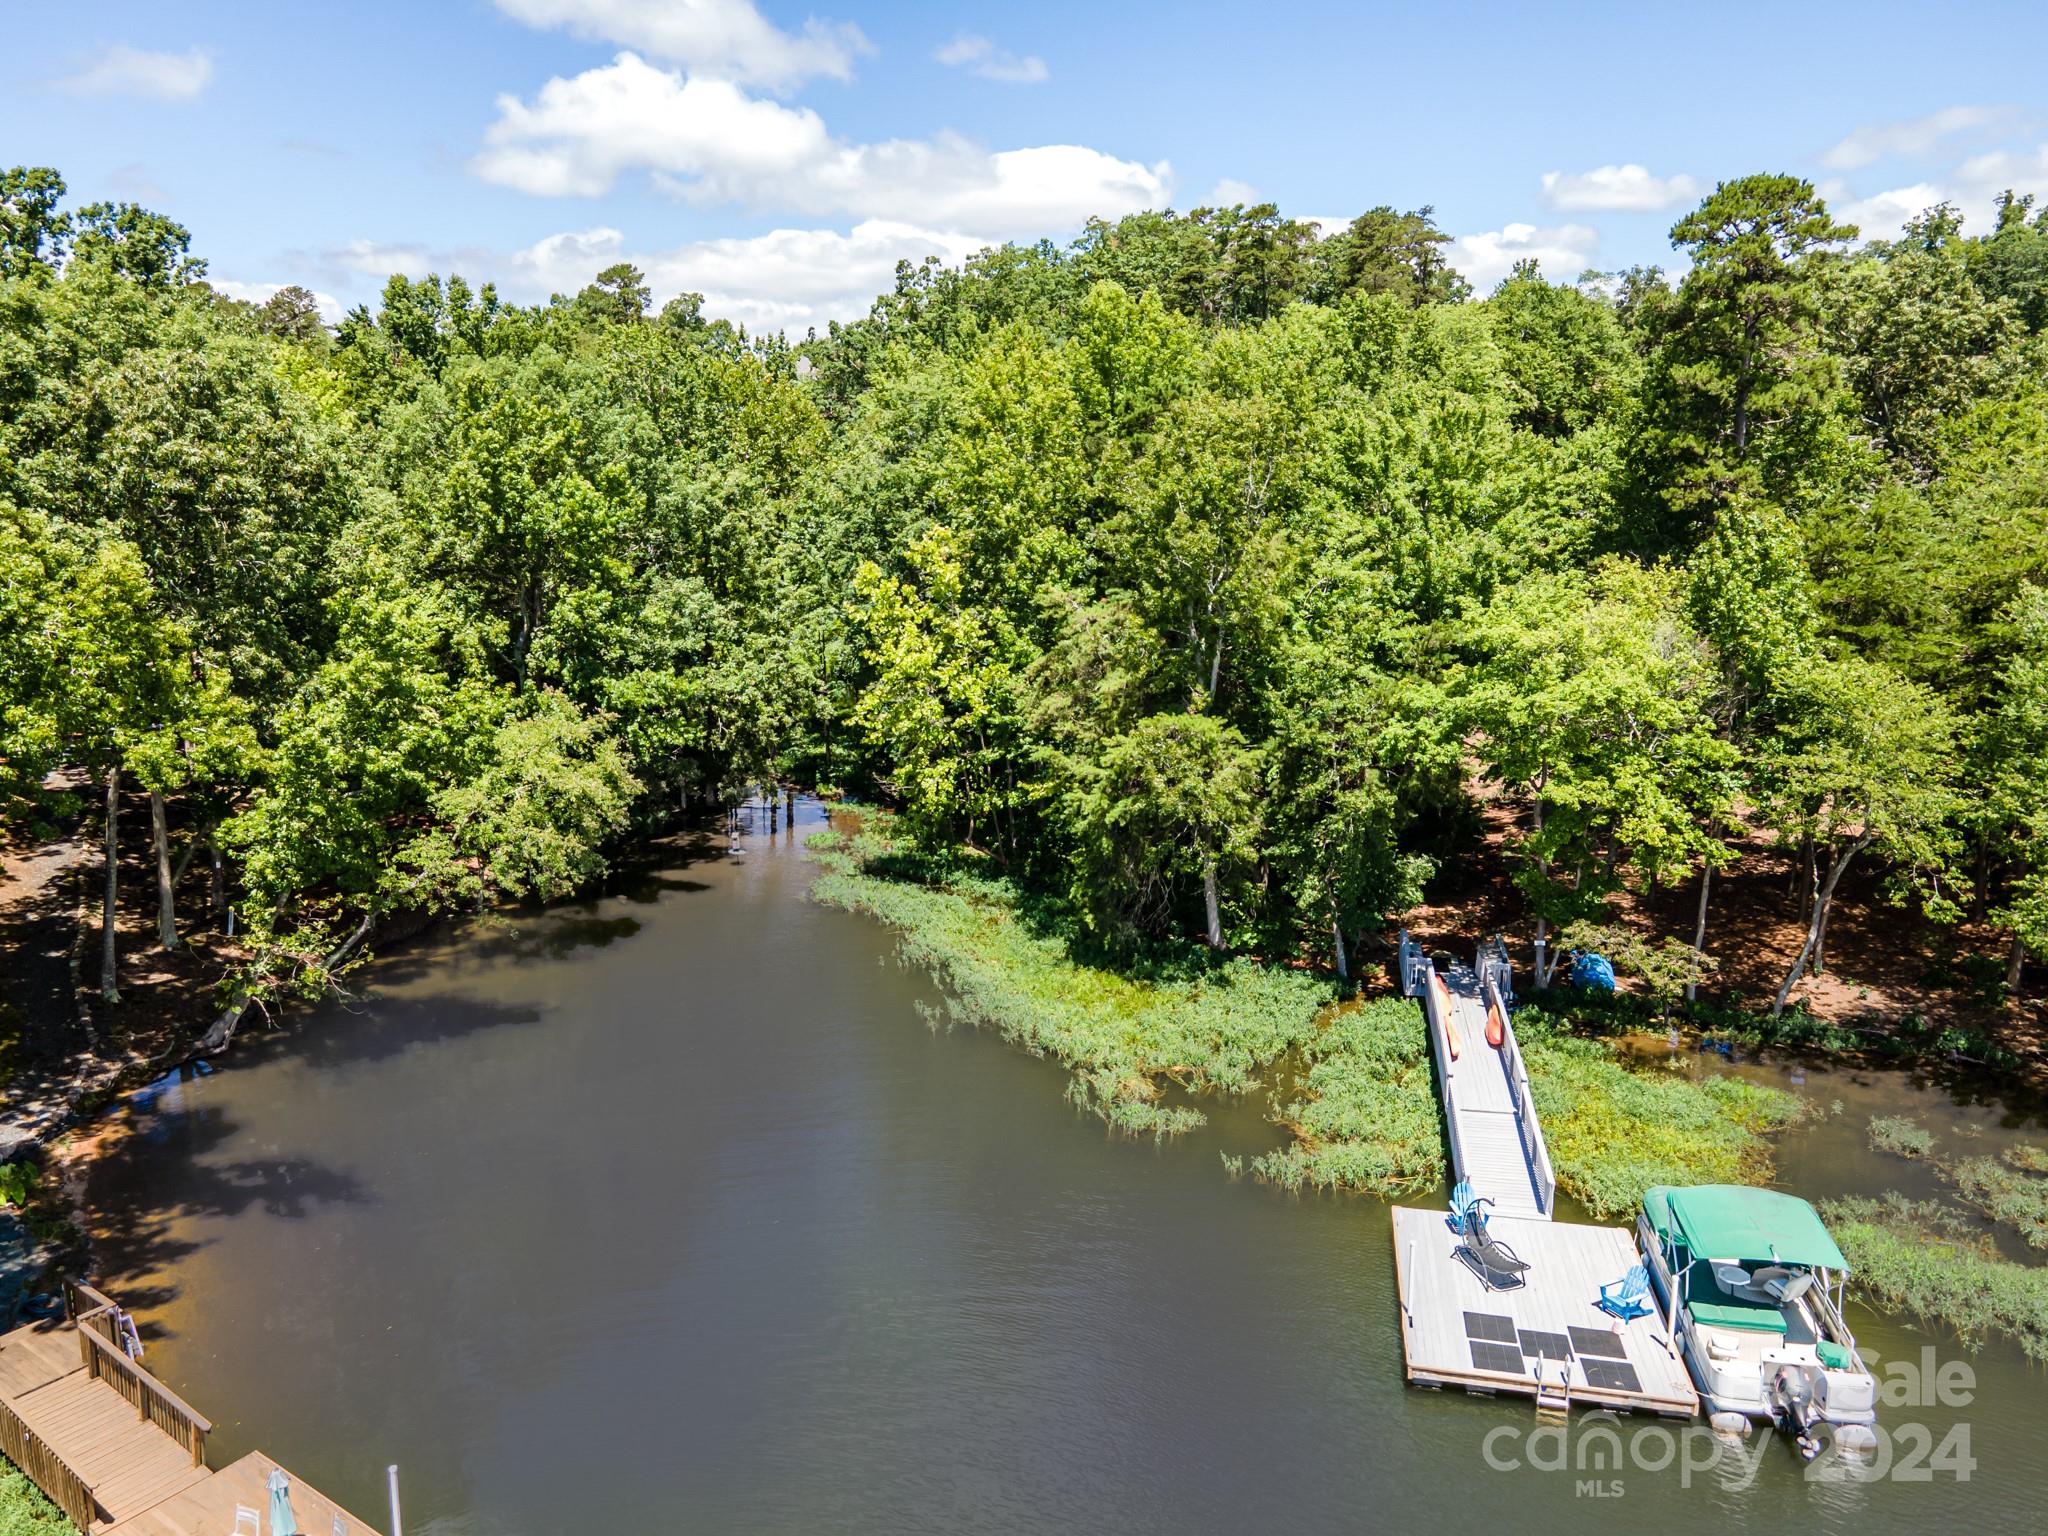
<point>1457,1333</point>
<point>117,1450</point>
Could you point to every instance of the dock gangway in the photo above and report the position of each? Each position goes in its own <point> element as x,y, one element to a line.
<point>1496,1140</point>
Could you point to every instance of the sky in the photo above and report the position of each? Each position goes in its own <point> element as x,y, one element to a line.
<point>780,161</point>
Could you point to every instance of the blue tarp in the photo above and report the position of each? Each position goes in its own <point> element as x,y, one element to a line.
<point>1593,972</point>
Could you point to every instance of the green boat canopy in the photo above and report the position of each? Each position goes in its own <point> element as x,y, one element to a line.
<point>1744,1225</point>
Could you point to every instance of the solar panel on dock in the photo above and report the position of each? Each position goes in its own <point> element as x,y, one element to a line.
<point>1491,1327</point>
<point>1598,1342</point>
<point>1548,1346</point>
<point>1615,1374</point>
<point>1497,1357</point>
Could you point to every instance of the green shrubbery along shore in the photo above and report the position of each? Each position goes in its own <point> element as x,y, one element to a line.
<point>1361,1105</point>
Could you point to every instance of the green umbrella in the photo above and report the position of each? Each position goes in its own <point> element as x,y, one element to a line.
<point>282,1521</point>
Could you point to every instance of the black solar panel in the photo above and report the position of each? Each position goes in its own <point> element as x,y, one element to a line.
<point>1497,1357</point>
<point>1597,1342</point>
<point>1490,1326</point>
<point>1551,1346</point>
<point>1615,1375</point>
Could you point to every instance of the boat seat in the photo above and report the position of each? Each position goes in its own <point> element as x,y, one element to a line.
<point>1720,1349</point>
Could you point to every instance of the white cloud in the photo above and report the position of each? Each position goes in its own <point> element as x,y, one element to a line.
<point>1973,187</point>
<point>1617,188</point>
<point>1912,136</point>
<point>787,279</point>
<point>980,56</point>
<point>1485,259</point>
<point>125,71</point>
<point>726,39</point>
<point>1229,192</point>
<point>256,293</point>
<point>378,259</point>
<point>709,142</point>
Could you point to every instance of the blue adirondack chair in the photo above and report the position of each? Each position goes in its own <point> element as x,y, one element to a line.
<point>1627,1298</point>
<point>1465,1210</point>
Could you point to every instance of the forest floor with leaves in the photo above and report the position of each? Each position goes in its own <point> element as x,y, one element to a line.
<point>63,1050</point>
<point>60,1043</point>
<point>1898,987</point>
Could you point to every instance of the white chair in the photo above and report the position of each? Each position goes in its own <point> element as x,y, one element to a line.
<point>247,1521</point>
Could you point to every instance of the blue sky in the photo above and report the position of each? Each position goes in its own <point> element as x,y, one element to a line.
<point>780,160</point>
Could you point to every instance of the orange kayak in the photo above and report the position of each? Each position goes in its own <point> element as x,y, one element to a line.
<point>1496,1027</point>
<point>1443,1011</point>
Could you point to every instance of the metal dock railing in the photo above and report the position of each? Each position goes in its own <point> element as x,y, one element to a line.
<point>1490,1118</point>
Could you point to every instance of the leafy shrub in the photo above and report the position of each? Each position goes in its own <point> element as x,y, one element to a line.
<point>23,1509</point>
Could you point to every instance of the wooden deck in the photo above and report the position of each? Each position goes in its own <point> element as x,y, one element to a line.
<point>116,1449</point>
<point>208,1509</point>
<point>1457,1333</point>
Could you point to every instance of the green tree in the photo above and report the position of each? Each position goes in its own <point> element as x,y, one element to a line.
<point>1172,800</point>
<point>144,247</point>
<point>1865,760</point>
<point>1401,254</point>
<point>942,705</point>
<point>34,235</point>
<point>1742,396</point>
<point>2011,769</point>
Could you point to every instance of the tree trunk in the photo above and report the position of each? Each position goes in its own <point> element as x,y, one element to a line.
<point>166,884</point>
<point>1543,972</point>
<point>1211,904</point>
<point>1811,881</point>
<point>1820,939</point>
<point>222,1030</point>
<point>1337,940</point>
<point>1814,928</point>
<point>1699,932</point>
<point>216,883</point>
<point>2015,967</point>
<point>109,950</point>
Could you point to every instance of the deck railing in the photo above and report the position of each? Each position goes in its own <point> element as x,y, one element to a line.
<point>106,1359</point>
<point>46,1469</point>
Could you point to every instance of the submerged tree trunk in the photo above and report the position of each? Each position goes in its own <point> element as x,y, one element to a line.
<point>222,1030</point>
<point>1211,904</point>
<point>1822,901</point>
<point>109,902</point>
<point>1699,932</point>
<point>166,882</point>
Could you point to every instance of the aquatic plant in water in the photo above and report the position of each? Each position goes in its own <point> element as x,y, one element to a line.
<point>2005,1194</point>
<point>1901,1135</point>
<point>1920,1258</point>
<point>1364,1111</point>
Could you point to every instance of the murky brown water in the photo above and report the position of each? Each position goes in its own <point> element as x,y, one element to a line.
<point>667,1212</point>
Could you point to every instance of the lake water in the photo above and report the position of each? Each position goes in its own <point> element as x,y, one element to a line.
<point>670,1212</point>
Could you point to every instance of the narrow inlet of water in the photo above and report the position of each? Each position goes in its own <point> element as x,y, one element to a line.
<point>667,1211</point>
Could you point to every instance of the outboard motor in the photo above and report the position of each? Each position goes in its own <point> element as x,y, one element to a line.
<point>1794,1403</point>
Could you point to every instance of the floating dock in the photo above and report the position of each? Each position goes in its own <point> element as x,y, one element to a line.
<point>119,1452</point>
<point>1544,1340</point>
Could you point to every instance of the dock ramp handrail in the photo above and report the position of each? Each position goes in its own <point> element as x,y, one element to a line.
<point>1485,1115</point>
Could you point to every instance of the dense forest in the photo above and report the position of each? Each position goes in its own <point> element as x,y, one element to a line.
<point>1201,575</point>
